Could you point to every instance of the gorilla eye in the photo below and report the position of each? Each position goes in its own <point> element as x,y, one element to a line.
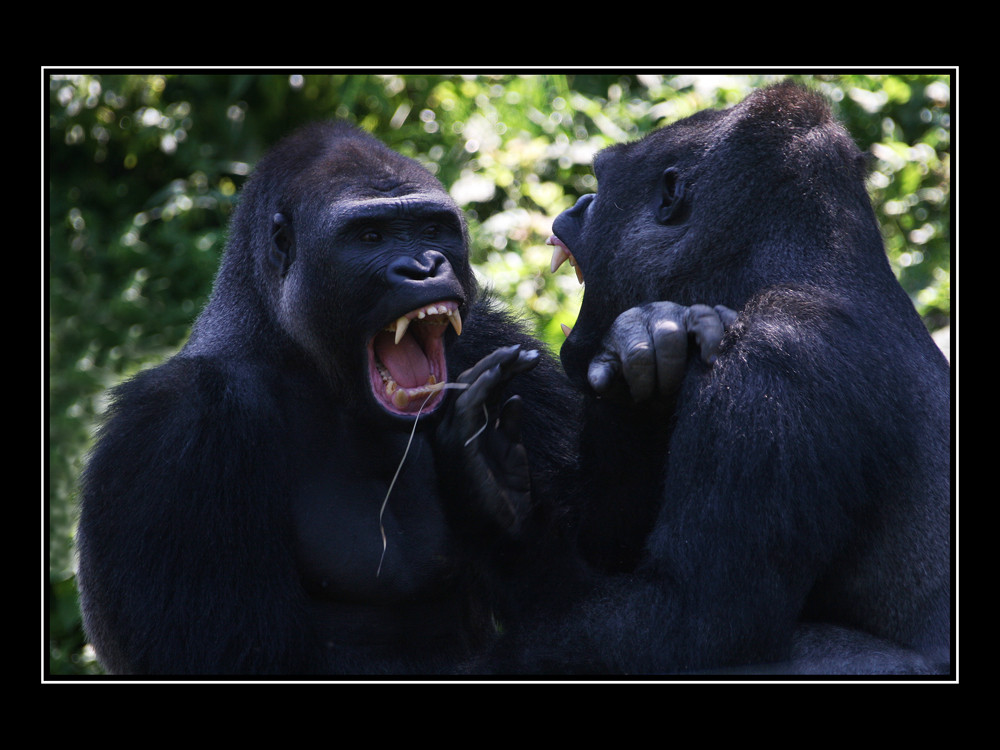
<point>432,230</point>
<point>370,235</point>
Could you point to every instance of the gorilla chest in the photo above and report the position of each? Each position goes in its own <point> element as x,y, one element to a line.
<point>358,540</point>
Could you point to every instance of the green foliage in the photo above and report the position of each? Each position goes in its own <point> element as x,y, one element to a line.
<point>144,169</point>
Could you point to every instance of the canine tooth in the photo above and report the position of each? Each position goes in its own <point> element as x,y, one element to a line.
<point>401,399</point>
<point>579,273</point>
<point>559,256</point>
<point>566,329</point>
<point>455,318</point>
<point>401,325</point>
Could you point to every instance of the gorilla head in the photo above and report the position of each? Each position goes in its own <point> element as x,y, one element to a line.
<point>715,207</point>
<point>360,259</point>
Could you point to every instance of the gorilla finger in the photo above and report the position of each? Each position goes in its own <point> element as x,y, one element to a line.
<point>511,360</point>
<point>727,316</point>
<point>472,399</point>
<point>492,360</point>
<point>511,416</point>
<point>670,341</point>
<point>603,370</point>
<point>625,333</point>
<point>639,367</point>
<point>627,329</point>
<point>526,360</point>
<point>706,325</point>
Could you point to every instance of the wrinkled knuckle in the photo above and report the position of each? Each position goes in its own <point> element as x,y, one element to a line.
<point>666,329</point>
<point>631,315</point>
<point>638,353</point>
<point>668,335</point>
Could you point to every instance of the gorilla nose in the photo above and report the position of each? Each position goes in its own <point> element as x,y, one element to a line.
<point>568,225</point>
<point>427,265</point>
<point>581,204</point>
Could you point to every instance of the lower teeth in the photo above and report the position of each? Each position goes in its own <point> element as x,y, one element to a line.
<point>400,396</point>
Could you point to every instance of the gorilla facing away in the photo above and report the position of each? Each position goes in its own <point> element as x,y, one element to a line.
<point>804,477</point>
<point>247,508</point>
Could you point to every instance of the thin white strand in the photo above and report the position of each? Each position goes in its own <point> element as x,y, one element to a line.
<point>479,432</point>
<point>385,502</point>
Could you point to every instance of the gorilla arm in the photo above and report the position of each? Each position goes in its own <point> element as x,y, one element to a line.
<point>508,476</point>
<point>758,486</point>
<point>184,530</point>
<point>526,530</point>
<point>646,351</point>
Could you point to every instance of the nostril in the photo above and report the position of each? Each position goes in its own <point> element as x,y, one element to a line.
<point>406,269</point>
<point>418,268</point>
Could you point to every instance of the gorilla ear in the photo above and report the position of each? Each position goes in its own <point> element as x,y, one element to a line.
<point>282,249</point>
<point>671,196</point>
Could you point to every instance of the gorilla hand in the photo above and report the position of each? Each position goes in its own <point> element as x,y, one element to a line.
<point>481,438</point>
<point>647,346</point>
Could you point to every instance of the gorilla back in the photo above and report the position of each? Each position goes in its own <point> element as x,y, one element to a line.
<point>804,476</point>
<point>235,513</point>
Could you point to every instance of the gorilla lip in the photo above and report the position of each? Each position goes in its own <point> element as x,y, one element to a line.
<point>406,361</point>
<point>560,254</point>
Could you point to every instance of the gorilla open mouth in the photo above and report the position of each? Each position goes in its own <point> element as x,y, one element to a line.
<point>560,254</point>
<point>406,361</point>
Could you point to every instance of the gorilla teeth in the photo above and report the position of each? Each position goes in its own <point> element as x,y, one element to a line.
<point>401,325</point>
<point>401,397</point>
<point>560,254</point>
<point>420,352</point>
<point>392,388</point>
<point>386,377</point>
<point>449,310</point>
<point>566,330</point>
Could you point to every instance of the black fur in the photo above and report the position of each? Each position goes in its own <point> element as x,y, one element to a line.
<point>231,509</point>
<point>805,476</point>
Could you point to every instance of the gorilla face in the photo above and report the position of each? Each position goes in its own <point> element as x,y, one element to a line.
<point>368,261</point>
<point>623,240</point>
<point>711,207</point>
<point>380,284</point>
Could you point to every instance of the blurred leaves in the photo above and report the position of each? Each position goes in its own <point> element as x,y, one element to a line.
<point>144,171</point>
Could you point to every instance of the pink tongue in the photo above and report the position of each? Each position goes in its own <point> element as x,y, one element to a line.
<point>405,360</point>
